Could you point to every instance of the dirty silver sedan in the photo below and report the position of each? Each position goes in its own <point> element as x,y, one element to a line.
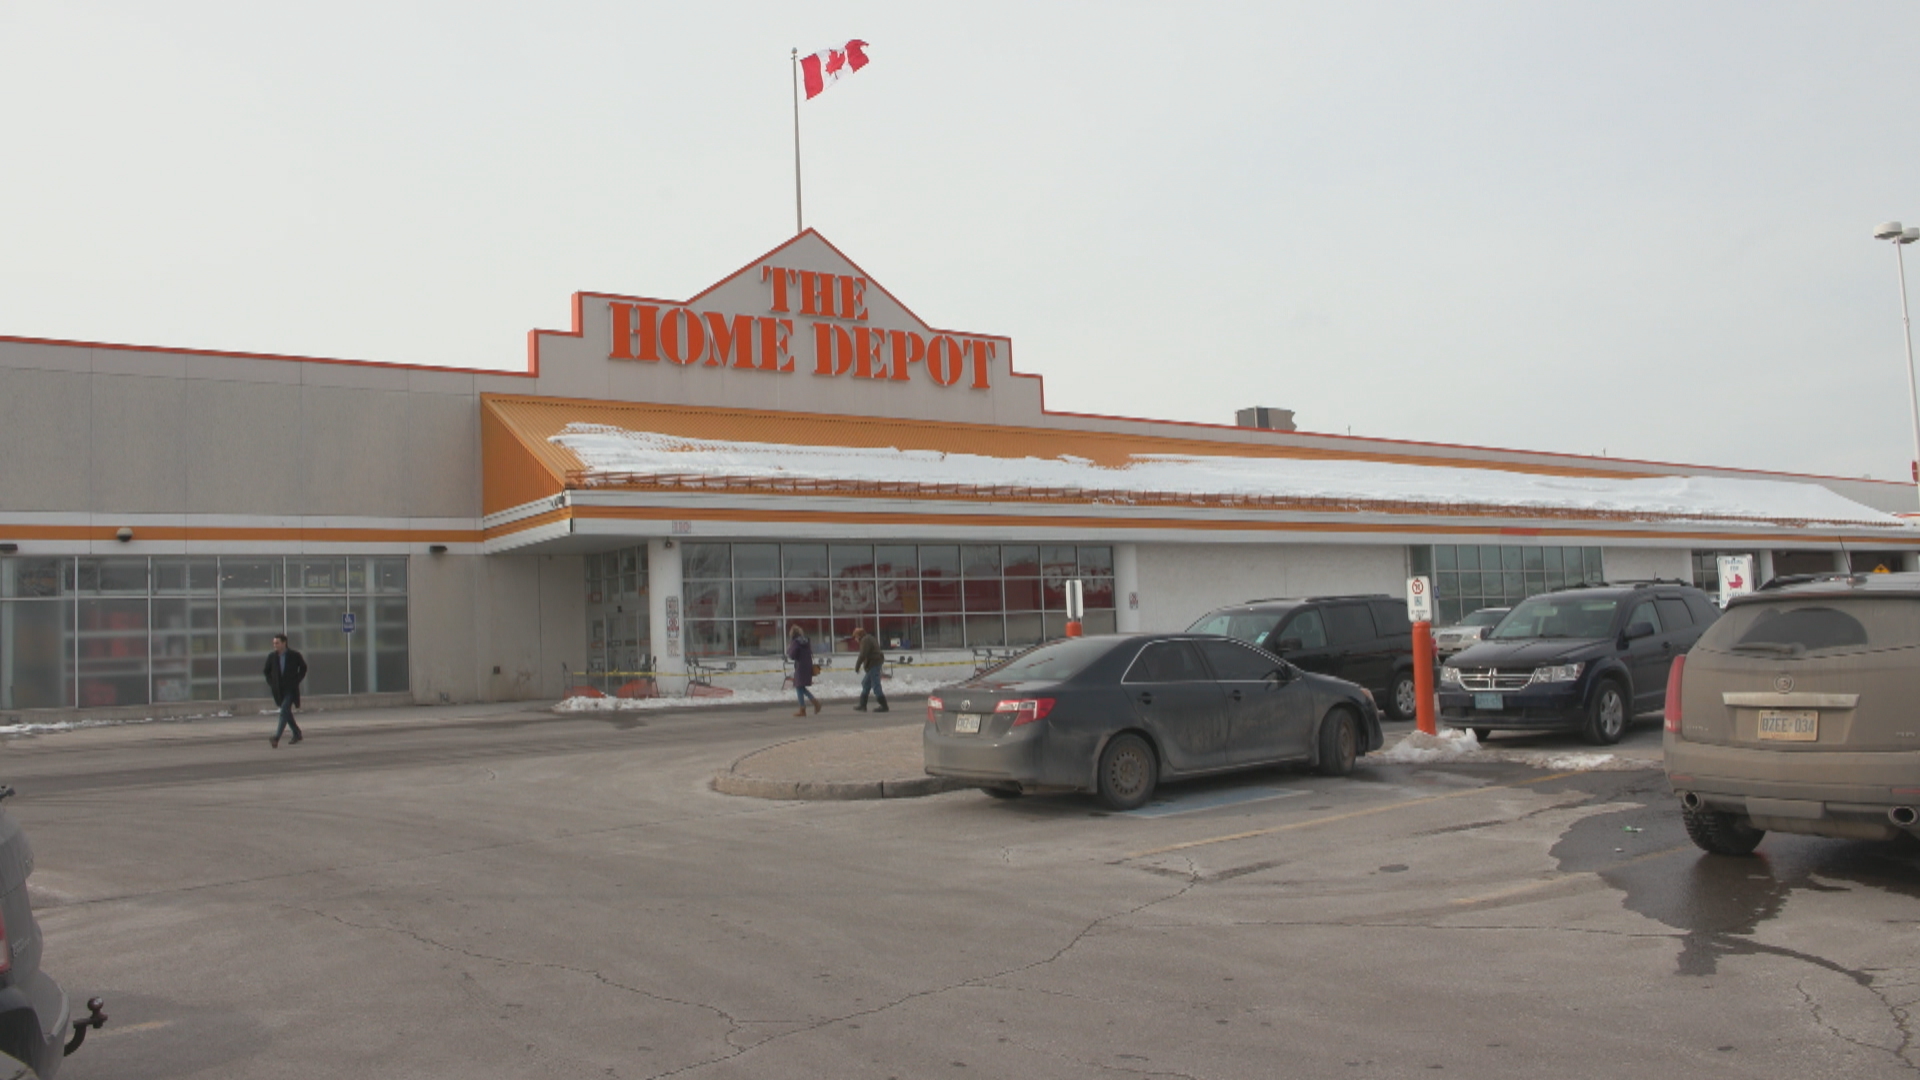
<point>1118,714</point>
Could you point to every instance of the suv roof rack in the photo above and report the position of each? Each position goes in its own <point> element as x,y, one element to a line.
<point>1801,579</point>
<point>1316,599</point>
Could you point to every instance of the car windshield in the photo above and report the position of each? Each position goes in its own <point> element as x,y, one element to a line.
<point>1485,617</point>
<point>1056,661</point>
<point>1251,627</point>
<point>1558,617</point>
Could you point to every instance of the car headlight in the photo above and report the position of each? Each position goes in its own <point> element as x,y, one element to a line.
<point>1557,673</point>
<point>1449,676</point>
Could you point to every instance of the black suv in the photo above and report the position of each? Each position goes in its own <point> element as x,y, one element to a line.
<point>1362,639</point>
<point>1588,659</point>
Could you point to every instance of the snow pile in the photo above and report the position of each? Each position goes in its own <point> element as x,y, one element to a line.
<point>1419,747</point>
<point>54,727</point>
<point>605,449</point>
<point>1552,762</point>
<point>898,685</point>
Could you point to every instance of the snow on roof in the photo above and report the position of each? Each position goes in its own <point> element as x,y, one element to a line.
<point>613,455</point>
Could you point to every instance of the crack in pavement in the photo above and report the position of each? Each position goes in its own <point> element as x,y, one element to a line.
<point>402,860</point>
<point>975,981</point>
<point>735,1025</point>
<point>1898,1053</point>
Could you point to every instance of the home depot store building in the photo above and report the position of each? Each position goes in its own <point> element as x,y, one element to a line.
<point>428,534</point>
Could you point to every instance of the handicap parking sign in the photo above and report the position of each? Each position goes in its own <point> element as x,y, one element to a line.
<point>346,622</point>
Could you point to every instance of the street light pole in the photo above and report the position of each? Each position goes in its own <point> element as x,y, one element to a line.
<point>1901,237</point>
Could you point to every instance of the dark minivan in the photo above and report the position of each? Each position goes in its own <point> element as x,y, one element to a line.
<point>1586,659</point>
<point>1362,639</point>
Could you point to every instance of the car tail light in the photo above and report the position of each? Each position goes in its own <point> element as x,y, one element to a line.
<point>6,950</point>
<point>1027,711</point>
<point>1673,693</point>
<point>934,705</point>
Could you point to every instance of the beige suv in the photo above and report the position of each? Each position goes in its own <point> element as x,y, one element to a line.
<point>1799,711</point>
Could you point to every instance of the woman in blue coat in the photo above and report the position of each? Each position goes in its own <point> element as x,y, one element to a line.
<point>800,651</point>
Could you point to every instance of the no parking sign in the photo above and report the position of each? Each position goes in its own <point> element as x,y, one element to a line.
<point>1419,600</point>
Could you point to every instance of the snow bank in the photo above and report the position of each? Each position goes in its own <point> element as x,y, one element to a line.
<point>605,449</point>
<point>56,726</point>
<point>1451,745</point>
<point>1418,747</point>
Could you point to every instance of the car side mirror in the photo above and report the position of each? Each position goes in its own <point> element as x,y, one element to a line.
<point>1281,675</point>
<point>1289,644</point>
<point>1638,630</point>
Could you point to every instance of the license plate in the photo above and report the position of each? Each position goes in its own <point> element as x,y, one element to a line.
<point>1792,725</point>
<point>1490,702</point>
<point>966,723</point>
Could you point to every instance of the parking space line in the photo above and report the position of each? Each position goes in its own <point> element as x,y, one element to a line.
<point>1348,816</point>
<point>1193,804</point>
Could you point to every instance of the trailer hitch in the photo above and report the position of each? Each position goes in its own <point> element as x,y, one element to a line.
<point>95,1019</point>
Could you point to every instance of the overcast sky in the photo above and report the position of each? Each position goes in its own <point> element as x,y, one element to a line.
<point>1642,229</point>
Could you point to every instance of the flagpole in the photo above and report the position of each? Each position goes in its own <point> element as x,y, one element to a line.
<point>799,220</point>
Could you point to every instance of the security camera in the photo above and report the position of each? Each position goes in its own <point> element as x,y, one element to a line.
<point>1887,230</point>
<point>125,534</point>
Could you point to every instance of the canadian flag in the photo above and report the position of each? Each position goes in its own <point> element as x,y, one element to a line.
<point>823,69</point>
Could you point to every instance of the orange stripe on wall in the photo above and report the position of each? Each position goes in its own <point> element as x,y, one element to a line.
<point>195,532</point>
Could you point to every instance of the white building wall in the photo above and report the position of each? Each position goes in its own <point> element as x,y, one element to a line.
<point>495,628</point>
<point>1181,582</point>
<point>1645,564</point>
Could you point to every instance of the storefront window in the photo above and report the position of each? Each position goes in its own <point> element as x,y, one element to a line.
<point>934,596</point>
<point>1467,578</point>
<point>617,599</point>
<point>119,630</point>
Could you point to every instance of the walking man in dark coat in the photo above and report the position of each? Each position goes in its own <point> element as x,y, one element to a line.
<point>870,661</point>
<point>285,669</point>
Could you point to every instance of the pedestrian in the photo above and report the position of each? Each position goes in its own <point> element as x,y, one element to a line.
<point>800,651</point>
<point>870,660</point>
<point>285,669</point>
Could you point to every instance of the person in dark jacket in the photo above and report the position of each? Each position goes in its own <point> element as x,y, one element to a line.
<point>800,651</point>
<point>870,661</point>
<point>285,668</point>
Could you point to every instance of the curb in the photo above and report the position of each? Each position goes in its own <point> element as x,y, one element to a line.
<point>756,787</point>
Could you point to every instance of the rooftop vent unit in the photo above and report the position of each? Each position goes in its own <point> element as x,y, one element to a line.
<point>1260,416</point>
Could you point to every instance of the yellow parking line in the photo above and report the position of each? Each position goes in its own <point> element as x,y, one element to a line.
<point>1348,816</point>
<point>129,1029</point>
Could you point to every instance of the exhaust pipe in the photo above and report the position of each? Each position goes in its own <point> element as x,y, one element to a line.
<point>1903,816</point>
<point>1690,800</point>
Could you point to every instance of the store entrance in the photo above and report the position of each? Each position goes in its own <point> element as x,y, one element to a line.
<point>617,628</point>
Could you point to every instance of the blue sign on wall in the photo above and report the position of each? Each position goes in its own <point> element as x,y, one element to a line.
<point>346,622</point>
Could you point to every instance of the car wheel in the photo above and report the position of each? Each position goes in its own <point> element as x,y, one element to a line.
<point>1002,793</point>
<point>1339,744</point>
<point>1607,716</point>
<point>1482,734</point>
<point>1405,699</point>
<point>1721,833</point>
<point>1128,772</point>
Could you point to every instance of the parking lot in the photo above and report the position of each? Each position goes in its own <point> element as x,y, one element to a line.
<point>497,891</point>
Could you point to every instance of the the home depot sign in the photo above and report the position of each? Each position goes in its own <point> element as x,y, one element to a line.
<point>833,338</point>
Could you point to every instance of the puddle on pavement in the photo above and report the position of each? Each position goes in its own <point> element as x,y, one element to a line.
<point>1718,902</point>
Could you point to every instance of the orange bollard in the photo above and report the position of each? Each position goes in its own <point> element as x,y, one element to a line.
<point>1423,717</point>
<point>1073,628</point>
